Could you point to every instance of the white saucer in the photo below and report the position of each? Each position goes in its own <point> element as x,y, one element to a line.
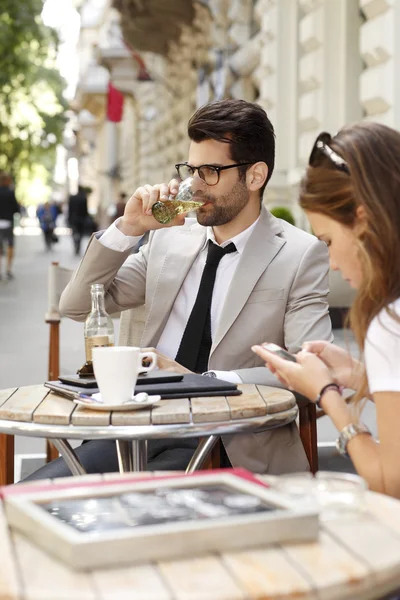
<point>87,403</point>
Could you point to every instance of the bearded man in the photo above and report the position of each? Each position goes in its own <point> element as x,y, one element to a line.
<point>257,277</point>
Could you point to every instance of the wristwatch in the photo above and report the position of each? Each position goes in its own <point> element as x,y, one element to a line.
<point>210,374</point>
<point>348,433</point>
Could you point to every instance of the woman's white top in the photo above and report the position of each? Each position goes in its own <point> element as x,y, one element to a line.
<point>382,352</point>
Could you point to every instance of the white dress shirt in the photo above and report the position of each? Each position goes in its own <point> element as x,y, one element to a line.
<point>171,337</point>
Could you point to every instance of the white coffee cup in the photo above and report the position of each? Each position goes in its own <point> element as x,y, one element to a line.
<point>116,369</point>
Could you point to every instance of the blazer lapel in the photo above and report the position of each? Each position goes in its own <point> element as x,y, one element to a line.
<point>181,253</point>
<point>259,251</point>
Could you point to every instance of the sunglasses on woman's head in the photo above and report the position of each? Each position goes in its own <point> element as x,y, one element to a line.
<point>321,149</point>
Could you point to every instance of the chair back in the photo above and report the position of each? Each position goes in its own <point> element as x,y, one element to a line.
<point>58,278</point>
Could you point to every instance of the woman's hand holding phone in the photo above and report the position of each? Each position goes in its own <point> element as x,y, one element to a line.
<point>306,374</point>
<point>346,370</point>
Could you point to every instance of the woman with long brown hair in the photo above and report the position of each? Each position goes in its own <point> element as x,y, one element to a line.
<point>351,195</point>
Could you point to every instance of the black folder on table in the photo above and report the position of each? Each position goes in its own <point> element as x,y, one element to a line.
<point>191,385</point>
<point>90,385</point>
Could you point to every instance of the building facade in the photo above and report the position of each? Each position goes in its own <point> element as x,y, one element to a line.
<point>313,65</point>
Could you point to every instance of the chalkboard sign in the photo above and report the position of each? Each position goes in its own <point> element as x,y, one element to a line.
<point>117,522</point>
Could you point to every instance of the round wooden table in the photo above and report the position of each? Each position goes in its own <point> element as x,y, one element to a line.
<point>35,411</point>
<point>357,557</point>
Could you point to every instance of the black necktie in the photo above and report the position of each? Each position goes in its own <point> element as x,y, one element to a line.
<point>195,346</point>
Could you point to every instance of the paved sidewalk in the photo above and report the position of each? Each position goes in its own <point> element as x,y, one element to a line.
<point>24,334</point>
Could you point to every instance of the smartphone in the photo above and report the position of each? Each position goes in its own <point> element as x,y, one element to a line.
<point>87,382</point>
<point>280,352</point>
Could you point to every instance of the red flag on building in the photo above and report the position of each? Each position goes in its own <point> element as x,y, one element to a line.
<point>115,104</point>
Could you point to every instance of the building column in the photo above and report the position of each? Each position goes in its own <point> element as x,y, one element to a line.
<point>380,50</point>
<point>329,69</point>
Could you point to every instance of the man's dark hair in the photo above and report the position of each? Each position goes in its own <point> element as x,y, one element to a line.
<point>243,125</point>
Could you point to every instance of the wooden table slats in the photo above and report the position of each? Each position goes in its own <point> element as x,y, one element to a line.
<point>200,578</point>
<point>10,587</point>
<point>23,403</point>
<point>276,399</point>
<point>45,578</point>
<point>255,405</point>
<point>210,409</point>
<point>357,557</point>
<point>87,416</point>
<point>328,566</point>
<point>133,583</point>
<point>39,405</point>
<point>267,573</point>
<point>382,556</point>
<point>132,417</point>
<point>6,394</point>
<point>54,410</point>
<point>171,411</point>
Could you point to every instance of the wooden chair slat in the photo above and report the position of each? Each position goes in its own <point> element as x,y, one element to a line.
<point>171,411</point>
<point>45,578</point>
<point>6,459</point>
<point>9,580</point>
<point>142,583</point>
<point>255,405</point>
<point>200,578</point>
<point>207,410</point>
<point>267,574</point>
<point>23,403</point>
<point>276,400</point>
<point>54,410</point>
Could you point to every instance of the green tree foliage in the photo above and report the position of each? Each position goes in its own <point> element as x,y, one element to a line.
<point>31,102</point>
<point>281,212</point>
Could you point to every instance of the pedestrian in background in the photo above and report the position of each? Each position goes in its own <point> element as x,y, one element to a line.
<point>78,216</point>
<point>8,207</point>
<point>116,210</point>
<point>47,214</point>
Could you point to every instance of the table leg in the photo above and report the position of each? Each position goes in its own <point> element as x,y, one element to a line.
<point>68,454</point>
<point>201,453</point>
<point>124,453</point>
<point>139,455</point>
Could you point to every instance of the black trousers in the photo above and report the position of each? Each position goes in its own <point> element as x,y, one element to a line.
<point>100,456</point>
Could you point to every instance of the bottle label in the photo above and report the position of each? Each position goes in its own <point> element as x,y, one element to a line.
<point>94,342</point>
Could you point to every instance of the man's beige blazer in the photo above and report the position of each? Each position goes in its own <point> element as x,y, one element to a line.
<point>278,294</point>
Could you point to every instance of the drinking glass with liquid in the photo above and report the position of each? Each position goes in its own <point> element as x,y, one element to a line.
<point>166,210</point>
<point>99,328</point>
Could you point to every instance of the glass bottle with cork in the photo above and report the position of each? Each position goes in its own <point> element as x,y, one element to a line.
<point>99,328</point>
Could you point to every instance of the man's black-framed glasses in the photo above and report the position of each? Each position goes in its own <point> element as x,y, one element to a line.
<point>322,148</point>
<point>210,174</point>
